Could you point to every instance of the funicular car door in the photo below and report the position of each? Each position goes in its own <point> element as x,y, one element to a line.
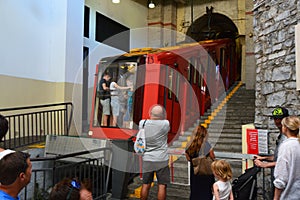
<point>234,62</point>
<point>190,108</point>
<point>168,92</point>
<point>201,83</point>
<point>206,60</point>
<point>203,75</point>
<point>196,90</point>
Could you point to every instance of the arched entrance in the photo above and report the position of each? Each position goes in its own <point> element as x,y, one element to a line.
<point>212,26</point>
<point>216,26</point>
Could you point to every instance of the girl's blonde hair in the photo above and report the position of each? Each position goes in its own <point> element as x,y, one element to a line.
<point>293,124</point>
<point>199,136</point>
<point>222,169</point>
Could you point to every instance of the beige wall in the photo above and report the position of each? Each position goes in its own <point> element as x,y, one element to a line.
<point>26,92</point>
<point>53,74</point>
<point>18,92</point>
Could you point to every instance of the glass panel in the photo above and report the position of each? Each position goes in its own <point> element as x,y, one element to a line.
<point>177,86</point>
<point>208,69</point>
<point>200,74</point>
<point>114,107</point>
<point>222,59</point>
<point>170,83</point>
<point>195,71</point>
<point>189,70</point>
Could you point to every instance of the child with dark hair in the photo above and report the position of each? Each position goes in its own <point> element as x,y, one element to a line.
<point>71,189</point>
<point>222,188</point>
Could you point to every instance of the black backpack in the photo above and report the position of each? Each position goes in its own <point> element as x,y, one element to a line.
<point>245,186</point>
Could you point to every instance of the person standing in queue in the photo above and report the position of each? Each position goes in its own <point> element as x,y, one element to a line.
<point>277,114</point>
<point>156,158</point>
<point>127,121</point>
<point>71,189</point>
<point>222,189</point>
<point>15,173</point>
<point>270,161</point>
<point>287,170</point>
<point>114,101</point>
<point>201,185</point>
<point>105,97</point>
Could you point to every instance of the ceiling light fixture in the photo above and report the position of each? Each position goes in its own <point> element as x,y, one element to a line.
<point>151,4</point>
<point>116,1</point>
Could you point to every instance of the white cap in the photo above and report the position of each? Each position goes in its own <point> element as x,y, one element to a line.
<point>5,153</point>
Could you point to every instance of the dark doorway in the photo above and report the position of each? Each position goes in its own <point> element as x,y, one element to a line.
<point>85,75</point>
<point>212,26</point>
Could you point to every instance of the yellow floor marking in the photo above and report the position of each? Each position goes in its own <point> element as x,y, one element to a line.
<point>183,144</point>
<point>204,125</point>
<point>220,106</point>
<point>40,145</point>
<point>188,138</point>
<point>137,191</point>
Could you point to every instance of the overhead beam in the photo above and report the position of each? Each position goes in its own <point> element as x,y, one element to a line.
<point>181,1</point>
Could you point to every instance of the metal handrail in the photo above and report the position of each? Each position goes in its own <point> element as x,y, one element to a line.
<point>29,124</point>
<point>47,171</point>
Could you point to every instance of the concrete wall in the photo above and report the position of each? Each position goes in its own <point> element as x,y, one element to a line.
<point>39,56</point>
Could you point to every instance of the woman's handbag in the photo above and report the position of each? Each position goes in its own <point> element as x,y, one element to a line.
<point>140,142</point>
<point>202,164</point>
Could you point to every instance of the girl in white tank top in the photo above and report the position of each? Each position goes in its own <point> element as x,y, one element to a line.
<point>222,188</point>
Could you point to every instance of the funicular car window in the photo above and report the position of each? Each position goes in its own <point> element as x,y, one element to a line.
<point>170,82</point>
<point>195,65</point>
<point>123,74</point>
<point>128,76</point>
<point>177,86</point>
<point>190,66</point>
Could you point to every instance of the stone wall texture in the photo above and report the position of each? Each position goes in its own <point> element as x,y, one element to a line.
<point>274,48</point>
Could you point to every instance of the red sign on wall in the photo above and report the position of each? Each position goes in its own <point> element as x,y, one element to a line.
<point>252,141</point>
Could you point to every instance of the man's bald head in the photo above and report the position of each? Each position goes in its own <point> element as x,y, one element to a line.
<point>157,112</point>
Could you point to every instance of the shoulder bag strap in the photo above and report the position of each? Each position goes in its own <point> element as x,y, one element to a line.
<point>144,123</point>
<point>202,148</point>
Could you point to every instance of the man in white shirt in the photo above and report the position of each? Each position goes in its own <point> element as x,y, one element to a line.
<point>156,158</point>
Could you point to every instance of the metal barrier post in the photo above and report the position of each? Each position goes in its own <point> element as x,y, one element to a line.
<point>121,164</point>
<point>172,168</point>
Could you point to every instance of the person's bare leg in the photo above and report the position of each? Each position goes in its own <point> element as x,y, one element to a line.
<point>105,119</point>
<point>162,192</point>
<point>115,118</point>
<point>145,191</point>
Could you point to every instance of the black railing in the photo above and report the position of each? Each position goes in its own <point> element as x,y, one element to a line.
<point>93,165</point>
<point>30,124</point>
